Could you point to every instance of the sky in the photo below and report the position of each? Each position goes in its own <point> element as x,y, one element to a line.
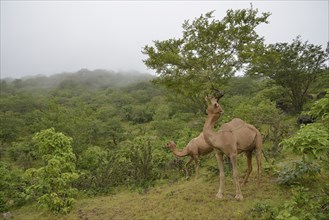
<point>49,37</point>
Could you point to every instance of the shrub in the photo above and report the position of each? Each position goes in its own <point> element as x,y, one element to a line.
<point>297,172</point>
<point>320,109</point>
<point>51,184</point>
<point>144,161</point>
<point>12,184</point>
<point>101,170</point>
<point>23,153</point>
<point>305,204</point>
<point>261,210</point>
<point>312,141</point>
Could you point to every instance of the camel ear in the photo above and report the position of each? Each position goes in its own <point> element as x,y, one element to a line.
<point>213,100</point>
<point>206,99</point>
<point>210,99</point>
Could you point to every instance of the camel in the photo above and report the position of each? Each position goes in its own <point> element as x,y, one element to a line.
<point>232,139</point>
<point>196,147</point>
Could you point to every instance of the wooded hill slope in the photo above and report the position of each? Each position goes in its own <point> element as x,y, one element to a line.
<point>97,152</point>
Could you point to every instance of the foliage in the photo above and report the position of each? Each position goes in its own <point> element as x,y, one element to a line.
<point>209,52</point>
<point>136,163</point>
<point>262,210</point>
<point>242,86</point>
<point>312,141</point>
<point>320,109</point>
<point>23,153</point>
<point>117,137</point>
<point>298,172</point>
<point>146,162</point>
<point>11,126</point>
<point>293,66</point>
<point>101,170</point>
<point>12,185</point>
<point>51,184</point>
<point>305,204</point>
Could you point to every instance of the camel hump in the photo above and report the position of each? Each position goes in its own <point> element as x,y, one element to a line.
<point>237,122</point>
<point>232,125</point>
<point>200,136</point>
<point>200,141</point>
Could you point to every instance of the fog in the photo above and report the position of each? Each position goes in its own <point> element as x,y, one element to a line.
<point>47,37</point>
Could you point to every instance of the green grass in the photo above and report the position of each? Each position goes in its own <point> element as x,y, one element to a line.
<point>192,199</point>
<point>183,199</point>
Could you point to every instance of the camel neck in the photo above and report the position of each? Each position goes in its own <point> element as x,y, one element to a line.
<point>181,153</point>
<point>208,128</point>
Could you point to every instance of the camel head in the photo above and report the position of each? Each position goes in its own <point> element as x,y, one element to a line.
<point>170,145</point>
<point>213,107</point>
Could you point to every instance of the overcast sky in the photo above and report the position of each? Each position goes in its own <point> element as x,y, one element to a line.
<point>47,37</point>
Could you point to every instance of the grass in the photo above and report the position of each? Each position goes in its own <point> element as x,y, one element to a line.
<point>192,199</point>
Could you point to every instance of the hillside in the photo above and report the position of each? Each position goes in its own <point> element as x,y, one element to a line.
<point>103,147</point>
<point>91,144</point>
<point>93,79</point>
<point>193,199</point>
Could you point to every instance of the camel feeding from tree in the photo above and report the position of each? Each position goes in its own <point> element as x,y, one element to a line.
<point>232,139</point>
<point>195,148</point>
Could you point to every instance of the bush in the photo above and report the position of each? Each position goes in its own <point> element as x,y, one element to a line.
<point>297,173</point>
<point>12,186</point>
<point>145,162</point>
<point>23,153</point>
<point>261,210</point>
<point>320,109</point>
<point>312,141</point>
<point>51,184</point>
<point>305,204</point>
<point>101,170</point>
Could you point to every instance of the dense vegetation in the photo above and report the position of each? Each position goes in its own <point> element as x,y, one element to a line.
<point>59,144</point>
<point>91,133</point>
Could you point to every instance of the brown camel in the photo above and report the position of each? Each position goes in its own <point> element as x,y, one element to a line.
<point>232,138</point>
<point>196,147</point>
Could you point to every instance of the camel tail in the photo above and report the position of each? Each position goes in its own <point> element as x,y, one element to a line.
<point>259,147</point>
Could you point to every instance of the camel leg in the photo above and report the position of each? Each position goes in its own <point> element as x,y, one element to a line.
<point>259,146</point>
<point>220,160</point>
<point>249,169</point>
<point>185,167</point>
<point>196,167</point>
<point>233,157</point>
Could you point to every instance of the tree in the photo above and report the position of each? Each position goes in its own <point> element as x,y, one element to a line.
<point>293,66</point>
<point>209,52</point>
<point>52,183</point>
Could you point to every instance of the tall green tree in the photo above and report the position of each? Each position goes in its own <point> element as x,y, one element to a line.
<point>293,66</point>
<point>209,52</point>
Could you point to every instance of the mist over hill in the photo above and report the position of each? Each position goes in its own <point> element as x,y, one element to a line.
<point>92,79</point>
